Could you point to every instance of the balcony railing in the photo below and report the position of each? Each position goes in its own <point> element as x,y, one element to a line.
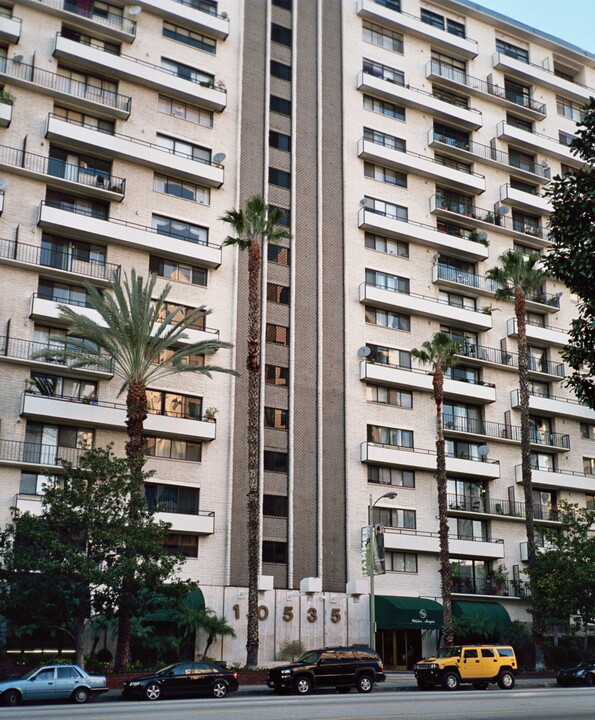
<point>491,506</point>
<point>62,84</point>
<point>109,19</point>
<point>468,586</point>
<point>435,67</point>
<point>461,277</point>
<point>452,535</point>
<point>511,359</point>
<point>24,349</point>
<point>460,456</point>
<point>57,260</point>
<point>503,431</point>
<point>209,8</point>
<point>36,454</point>
<point>419,371</point>
<point>427,298</point>
<point>544,69</point>
<point>500,128</point>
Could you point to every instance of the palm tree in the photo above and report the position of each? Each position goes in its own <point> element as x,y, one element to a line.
<point>441,353</point>
<point>136,337</point>
<point>519,278</point>
<point>256,224</point>
<point>214,626</point>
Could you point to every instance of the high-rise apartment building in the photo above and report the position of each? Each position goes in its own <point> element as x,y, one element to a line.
<point>410,144</point>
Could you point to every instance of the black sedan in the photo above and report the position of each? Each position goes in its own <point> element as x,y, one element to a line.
<point>182,680</point>
<point>581,674</point>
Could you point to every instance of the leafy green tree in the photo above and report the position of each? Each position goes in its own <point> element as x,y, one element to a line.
<point>571,258</point>
<point>255,225</point>
<point>441,353</point>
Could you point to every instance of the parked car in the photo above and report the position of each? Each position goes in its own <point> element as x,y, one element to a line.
<point>581,674</point>
<point>338,667</point>
<point>182,680</point>
<point>53,682</point>
<point>478,665</point>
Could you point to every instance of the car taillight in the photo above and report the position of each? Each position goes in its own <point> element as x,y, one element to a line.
<point>381,667</point>
<point>235,676</point>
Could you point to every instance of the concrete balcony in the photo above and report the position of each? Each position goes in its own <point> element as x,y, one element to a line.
<point>467,282</point>
<point>123,147</point>
<point>424,306</point>
<point>535,204</point>
<point>558,479</point>
<point>139,72</point>
<point>538,335</point>
<point>420,100</point>
<point>419,459</point>
<point>477,429</point>
<point>195,16</point>
<point>44,309</point>
<point>541,76</point>
<point>429,542</point>
<point>394,227</point>
<point>524,549</point>
<point>555,406</point>
<point>536,142</point>
<point>10,29</point>
<point>203,523</point>
<point>417,164</point>
<point>506,360</point>
<point>108,25</point>
<point>29,455</point>
<point>412,25</point>
<point>421,380</point>
<point>25,503</point>
<point>5,114</point>
<point>86,227</point>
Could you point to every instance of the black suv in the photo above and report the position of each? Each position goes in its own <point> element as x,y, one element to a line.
<point>338,667</point>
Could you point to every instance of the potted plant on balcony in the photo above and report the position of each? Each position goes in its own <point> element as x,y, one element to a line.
<point>6,98</point>
<point>30,384</point>
<point>210,413</point>
<point>500,579</point>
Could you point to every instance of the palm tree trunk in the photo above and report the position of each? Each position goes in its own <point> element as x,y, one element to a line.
<point>445,573</point>
<point>520,310</point>
<point>253,365</point>
<point>79,627</point>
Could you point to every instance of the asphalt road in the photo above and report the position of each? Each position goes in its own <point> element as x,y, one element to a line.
<point>518,704</point>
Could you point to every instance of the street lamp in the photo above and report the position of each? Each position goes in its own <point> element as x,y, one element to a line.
<point>389,496</point>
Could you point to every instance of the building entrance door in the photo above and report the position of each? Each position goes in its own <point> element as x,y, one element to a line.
<point>399,649</point>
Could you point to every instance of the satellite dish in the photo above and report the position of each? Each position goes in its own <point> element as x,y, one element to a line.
<point>17,59</point>
<point>364,351</point>
<point>362,202</point>
<point>224,15</point>
<point>219,157</point>
<point>135,10</point>
<point>483,450</point>
<point>503,210</point>
<point>3,183</point>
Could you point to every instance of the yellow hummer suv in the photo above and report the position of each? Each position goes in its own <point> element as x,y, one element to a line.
<point>478,665</point>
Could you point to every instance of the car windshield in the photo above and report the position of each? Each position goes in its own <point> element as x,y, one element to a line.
<point>166,670</point>
<point>309,657</point>
<point>586,664</point>
<point>449,652</point>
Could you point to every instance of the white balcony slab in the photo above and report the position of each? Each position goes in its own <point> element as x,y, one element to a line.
<point>415,541</point>
<point>126,68</point>
<point>10,29</point>
<point>524,549</point>
<point>554,406</point>
<point>425,306</point>
<point>558,479</point>
<point>215,25</point>
<point>84,227</point>
<point>526,201</point>
<point>5,114</point>
<point>424,235</point>
<point>400,377</point>
<point>411,25</point>
<point>31,504</point>
<point>42,309</point>
<point>476,548</point>
<point>541,335</point>
<point>541,76</point>
<point>535,142</point>
<point>84,138</point>
<point>419,165</point>
<point>201,524</point>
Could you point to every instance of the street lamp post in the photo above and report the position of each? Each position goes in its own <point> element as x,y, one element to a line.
<point>371,505</point>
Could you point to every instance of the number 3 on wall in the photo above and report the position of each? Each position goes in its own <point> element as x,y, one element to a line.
<point>312,615</point>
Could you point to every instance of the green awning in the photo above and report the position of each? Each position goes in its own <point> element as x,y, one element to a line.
<point>491,610</point>
<point>166,614</point>
<point>407,612</point>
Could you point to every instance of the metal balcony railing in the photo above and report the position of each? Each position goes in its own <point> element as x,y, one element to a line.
<point>503,357</point>
<point>479,458</point>
<point>56,259</point>
<point>501,128</point>
<point>419,371</point>
<point>491,506</point>
<point>36,454</point>
<point>469,279</point>
<point>65,85</point>
<point>206,7</point>
<point>543,468</point>
<point>24,349</point>
<point>503,431</point>
<point>452,535</point>
<point>468,586</point>
<point>427,298</point>
<point>496,59</point>
<point>109,19</point>
<point>557,398</point>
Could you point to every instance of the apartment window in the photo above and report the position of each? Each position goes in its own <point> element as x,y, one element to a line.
<point>524,186</point>
<point>543,461</point>
<point>280,105</point>
<point>513,51</point>
<point>179,272</point>
<point>468,529</point>
<point>79,205</point>
<point>189,37</point>
<point>391,476</point>
<point>517,93</point>
<point>539,389</point>
<point>386,281</point>
<point>278,254</point>
<point>519,123</point>
<point>180,230</point>
<point>536,319</point>
<point>388,319</point>
<point>164,358</point>
<point>62,293</point>
<point>274,551</point>
<point>566,170</point>
<point>84,169</point>
<point>464,450</point>
<point>173,449</point>
<point>528,224</point>
<point>439,21</point>
<point>590,501</point>
<point>44,442</point>
<point>384,108</point>
<point>451,136</point>
<point>190,113</point>
<point>390,210</point>
<point>390,436</point>
<point>172,498</point>
<point>587,431</point>
<point>63,387</point>
<point>98,43</point>
<point>183,148</point>
<point>275,461</point>
<point>390,4</point>
<point>88,85</point>
<point>449,66</point>
<point>72,255</point>
<point>521,160</point>
<point>187,73</point>
<point>450,97</point>
<point>182,544</point>
<point>280,34</point>
<point>87,121</point>
<point>182,189</point>
<point>455,300</point>
<point>462,417</point>
<point>389,141</point>
<point>279,140</point>
<point>384,72</point>
<point>280,70</point>
<point>462,373</point>
<point>395,518</point>
<point>468,340</point>
<point>564,72</point>
<point>285,4</point>
<point>35,483</point>
<point>277,334</point>
<point>274,506</point>
<point>278,294</point>
<point>385,175</point>
<point>378,35</point>
<point>281,178</point>
<point>284,217</point>
<point>401,562</point>
<point>160,402</point>
<point>389,396</point>
<point>386,245</point>
<point>390,356</point>
<point>565,138</point>
<point>276,375</point>
<point>589,466</point>
<point>276,418</point>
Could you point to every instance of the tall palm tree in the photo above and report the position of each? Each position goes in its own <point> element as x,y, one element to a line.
<point>441,353</point>
<point>256,224</point>
<point>519,278</point>
<point>137,337</point>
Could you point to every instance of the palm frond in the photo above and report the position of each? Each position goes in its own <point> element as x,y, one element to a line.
<point>440,352</point>
<point>256,220</point>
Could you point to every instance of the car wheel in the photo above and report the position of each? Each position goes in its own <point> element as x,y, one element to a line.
<point>11,698</point>
<point>219,689</point>
<point>152,691</point>
<point>481,685</point>
<point>451,681</point>
<point>80,696</point>
<point>364,684</point>
<point>343,689</point>
<point>506,680</point>
<point>302,685</point>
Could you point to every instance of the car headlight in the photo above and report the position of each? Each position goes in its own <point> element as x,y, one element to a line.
<point>578,673</point>
<point>133,683</point>
<point>285,672</point>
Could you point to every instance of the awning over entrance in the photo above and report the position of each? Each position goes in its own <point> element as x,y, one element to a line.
<point>407,612</point>
<point>165,614</point>
<point>491,610</point>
